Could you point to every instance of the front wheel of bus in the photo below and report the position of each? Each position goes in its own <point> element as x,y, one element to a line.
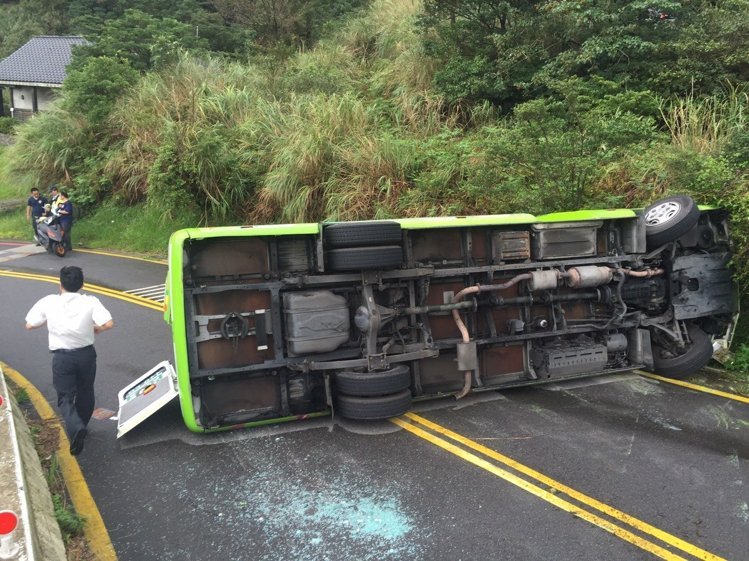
<point>668,219</point>
<point>667,362</point>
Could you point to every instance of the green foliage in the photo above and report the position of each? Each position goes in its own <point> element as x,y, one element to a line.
<point>22,396</point>
<point>508,52</point>
<point>7,125</point>
<point>93,88</point>
<point>137,228</point>
<point>292,22</point>
<point>142,40</point>
<point>311,146</point>
<point>71,523</point>
<point>195,168</point>
<point>48,147</point>
<point>22,20</point>
<point>329,71</point>
<point>13,226</point>
<point>740,360</point>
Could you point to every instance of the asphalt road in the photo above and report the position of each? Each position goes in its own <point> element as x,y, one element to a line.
<point>616,468</point>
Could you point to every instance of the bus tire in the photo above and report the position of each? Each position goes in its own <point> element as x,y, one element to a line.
<point>697,355</point>
<point>367,384</point>
<point>668,219</point>
<point>365,258</point>
<point>361,234</point>
<point>373,408</point>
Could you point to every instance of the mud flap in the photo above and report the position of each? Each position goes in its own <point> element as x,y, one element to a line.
<point>146,395</point>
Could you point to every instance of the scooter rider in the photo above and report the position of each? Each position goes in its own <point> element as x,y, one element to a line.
<point>65,213</point>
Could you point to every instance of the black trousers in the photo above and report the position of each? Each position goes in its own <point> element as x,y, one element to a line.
<point>73,374</point>
<point>66,231</point>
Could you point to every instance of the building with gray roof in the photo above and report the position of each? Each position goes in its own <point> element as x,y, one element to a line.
<point>32,73</point>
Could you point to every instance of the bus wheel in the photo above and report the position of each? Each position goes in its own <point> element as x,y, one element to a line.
<point>373,408</point>
<point>696,355</point>
<point>365,384</point>
<point>668,219</point>
<point>365,258</point>
<point>359,234</point>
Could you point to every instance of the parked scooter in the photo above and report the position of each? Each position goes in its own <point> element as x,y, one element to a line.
<point>49,233</point>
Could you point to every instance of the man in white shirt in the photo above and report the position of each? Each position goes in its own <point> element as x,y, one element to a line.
<point>72,320</point>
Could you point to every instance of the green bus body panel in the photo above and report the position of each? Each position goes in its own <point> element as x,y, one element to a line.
<point>462,221</point>
<point>579,215</point>
<point>241,231</point>
<point>174,313</point>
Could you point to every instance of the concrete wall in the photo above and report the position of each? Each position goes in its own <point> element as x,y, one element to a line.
<point>23,98</point>
<point>23,487</point>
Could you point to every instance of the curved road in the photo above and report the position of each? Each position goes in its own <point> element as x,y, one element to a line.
<point>622,468</point>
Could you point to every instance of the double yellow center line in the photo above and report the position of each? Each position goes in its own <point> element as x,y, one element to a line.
<point>96,289</point>
<point>616,522</point>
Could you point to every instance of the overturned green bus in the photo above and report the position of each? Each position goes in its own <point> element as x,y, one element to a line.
<point>360,319</point>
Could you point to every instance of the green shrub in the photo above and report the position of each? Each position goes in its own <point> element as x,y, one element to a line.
<point>7,125</point>
<point>70,522</point>
<point>49,147</point>
<point>22,396</point>
<point>740,361</point>
<point>93,88</point>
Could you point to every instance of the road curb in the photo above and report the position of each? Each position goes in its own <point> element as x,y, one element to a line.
<point>23,488</point>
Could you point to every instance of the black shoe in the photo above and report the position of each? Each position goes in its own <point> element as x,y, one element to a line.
<point>76,446</point>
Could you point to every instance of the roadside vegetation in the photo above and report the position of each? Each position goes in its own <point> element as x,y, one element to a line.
<point>738,367</point>
<point>347,109</point>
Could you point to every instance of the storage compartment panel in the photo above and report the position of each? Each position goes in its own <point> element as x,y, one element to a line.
<point>565,240</point>
<point>223,353</point>
<point>228,257</point>
<point>240,400</point>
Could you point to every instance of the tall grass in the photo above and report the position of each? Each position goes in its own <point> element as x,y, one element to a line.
<point>48,146</point>
<point>704,125</point>
<point>11,186</point>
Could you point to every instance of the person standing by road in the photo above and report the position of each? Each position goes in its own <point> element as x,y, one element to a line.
<point>54,193</point>
<point>35,210</point>
<point>73,320</point>
<point>65,213</point>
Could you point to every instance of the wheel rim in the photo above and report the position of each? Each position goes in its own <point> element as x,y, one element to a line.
<point>59,250</point>
<point>662,213</point>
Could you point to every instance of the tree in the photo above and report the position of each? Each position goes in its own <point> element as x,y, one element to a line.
<point>293,22</point>
<point>93,88</point>
<point>510,52</point>
<point>140,39</point>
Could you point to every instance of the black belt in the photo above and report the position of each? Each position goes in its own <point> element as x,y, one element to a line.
<point>86,348</point>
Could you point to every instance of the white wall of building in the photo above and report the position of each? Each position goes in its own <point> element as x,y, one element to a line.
<point>23,98</point>
<point>44,96</point>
